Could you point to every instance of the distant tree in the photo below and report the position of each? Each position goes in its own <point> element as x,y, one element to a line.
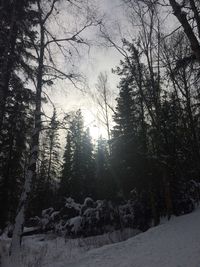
<point>77,179</point>
<point>49,166</point>
<point>103,98</point>
<point>106,185</point>
<point>64,189</point>
<point>88,165</point>
<point>129,141</point>
<point>53,150</point>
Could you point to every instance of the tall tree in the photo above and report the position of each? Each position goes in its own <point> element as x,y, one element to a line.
<point>67,167</point>
<point>127,131</point>
<point>45,185</point>
<point>106,185</point>
<point>103,99</point>
<point>14,151</point>
<point>17,22</point>
<point>78,168</point>
<point>88,165</point>
<point>46,10</point>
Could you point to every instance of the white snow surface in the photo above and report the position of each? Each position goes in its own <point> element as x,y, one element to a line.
<point>175,243</point>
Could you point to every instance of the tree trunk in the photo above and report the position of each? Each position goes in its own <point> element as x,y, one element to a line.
<point>168,198</point>
<point>196,15</point>
<point>154,209</point>
<point>182,17</point>
<point>34,149</point>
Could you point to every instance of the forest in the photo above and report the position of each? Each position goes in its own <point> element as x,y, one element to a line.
<point>54,175</point>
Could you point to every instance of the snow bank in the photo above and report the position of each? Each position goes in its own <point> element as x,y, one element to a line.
<point>50,250</point>
<point>172,244</point>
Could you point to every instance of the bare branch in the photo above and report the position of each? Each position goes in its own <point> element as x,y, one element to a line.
<point>75,37</point>
<point>50,11</point>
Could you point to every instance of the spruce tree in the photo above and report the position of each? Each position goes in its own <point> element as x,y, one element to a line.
<point>64,189</point>
<point>17,23</point>
<point>78,175</point>
<point>106,185</point>
<point>88,165</point>
<point>45,187</point>
<point>14,148</point>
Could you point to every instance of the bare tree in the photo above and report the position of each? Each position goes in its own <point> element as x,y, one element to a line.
<point>188,14</point>
<point>184,79</point>
<point>103,98</point>
<point>144,17</point>
<point>47,71</point>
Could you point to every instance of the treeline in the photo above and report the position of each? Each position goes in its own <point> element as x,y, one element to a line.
<point>31,42</point>
<point>152,155</point>
<point>83,171</point>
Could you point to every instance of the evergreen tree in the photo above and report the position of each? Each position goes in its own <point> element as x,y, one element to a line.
<point>88,165</point>
<point>106,185</point>
<point>46,183</point>
<point>76,181</point>
<point>130,130</point>
<point>78,168</point>
<point>17,23</point>
<point>66,168</point>
<point>14,148</point>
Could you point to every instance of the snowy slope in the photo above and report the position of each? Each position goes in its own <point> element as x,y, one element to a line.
<point>173,244</point>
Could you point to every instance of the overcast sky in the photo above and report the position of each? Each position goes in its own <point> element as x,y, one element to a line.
<point>99,59</point>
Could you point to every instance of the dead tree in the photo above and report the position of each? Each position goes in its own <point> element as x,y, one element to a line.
<point>102,98</point>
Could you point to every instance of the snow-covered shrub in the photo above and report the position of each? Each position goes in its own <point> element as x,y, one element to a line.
<point>97,217</point>
<point>90,221</point>
<point>108,216</point>
<point>71,209</point>
<point>33,222</point>
<point>46,222</point>
<point>89,202</point>
<point>186,197</point>
<point>87,219</point>
<point>194,191</point>
<point>126,213</point>
<point>74,226</point>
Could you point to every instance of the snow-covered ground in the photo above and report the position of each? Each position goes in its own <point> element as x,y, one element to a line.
<point>50,250</point>
<point>172,244</point>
